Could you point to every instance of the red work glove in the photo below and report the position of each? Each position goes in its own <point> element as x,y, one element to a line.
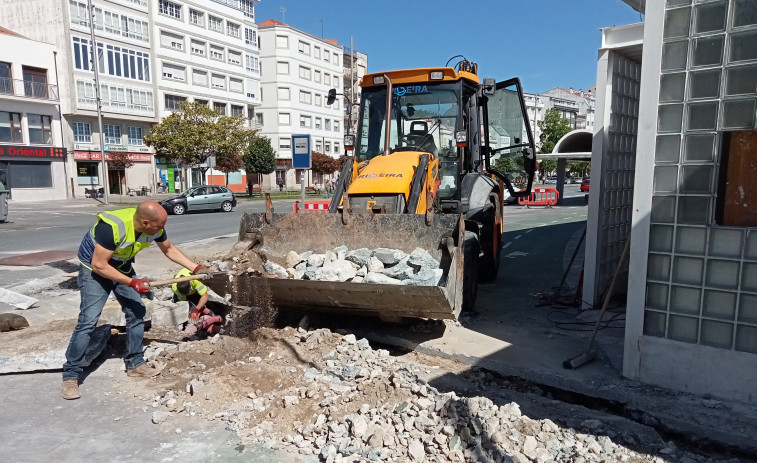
<point>201,269</point>
<point>140,285</point>
<point>194,315</point>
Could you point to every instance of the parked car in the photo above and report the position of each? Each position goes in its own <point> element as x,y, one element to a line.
<point>585,184</point>
<point>201,198</point>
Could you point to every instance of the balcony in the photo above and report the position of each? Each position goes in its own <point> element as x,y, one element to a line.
<point>28,89</point>
<point>120,107</point>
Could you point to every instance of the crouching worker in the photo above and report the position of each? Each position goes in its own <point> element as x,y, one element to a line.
<point>202,321</point>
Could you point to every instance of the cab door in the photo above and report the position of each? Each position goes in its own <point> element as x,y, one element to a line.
<point>509,148</point>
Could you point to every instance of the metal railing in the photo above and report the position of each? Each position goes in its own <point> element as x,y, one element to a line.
<point>28,89</point>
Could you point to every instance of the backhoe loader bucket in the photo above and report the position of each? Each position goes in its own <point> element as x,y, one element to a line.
<point>319,233</point>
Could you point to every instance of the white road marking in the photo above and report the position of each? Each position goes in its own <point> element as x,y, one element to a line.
<point>506,245</point>
<point>518,237</point>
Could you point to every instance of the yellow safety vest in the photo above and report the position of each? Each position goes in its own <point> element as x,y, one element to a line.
<point>195,286</point>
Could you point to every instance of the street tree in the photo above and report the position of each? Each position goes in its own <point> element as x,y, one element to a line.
<point>553,127</point>
<point>120,161</point>
<point>195,133</point>
<point>259,158</point>
<point>579,168</point>
<point>323,164</point>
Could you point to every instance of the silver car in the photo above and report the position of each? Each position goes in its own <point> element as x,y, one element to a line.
<point>201,198</point>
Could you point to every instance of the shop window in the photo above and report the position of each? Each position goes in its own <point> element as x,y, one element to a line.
<point>86,173</point>
<point>737,187</point>
<point>40,129</point>
<point>30,174</point>
<point>10,127</point>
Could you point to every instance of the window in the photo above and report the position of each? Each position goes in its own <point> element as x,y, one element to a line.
<point>235,57</point>
<point>283,94</point>
<point>336,147</point>
<point>10,127</point>
<point>135,135</point>
<point>173,72</point>
<point>86,173</point>
<point>327,148</point>
<point>285,143</point>
<point>327,124</point>
<point>35,82</point>
<point>201,102</point>
<point>112,133</point>
<point>336,81</point>
<point>218,81</point>
<point>335,58</point>
<point>259,119</point>
<point>318,146</point>
<point>336,125</point>
<point>282,67</point>
<point>237,110</point>
<point>236,85</point>
<point>172,102</point>
<point>215,24</point>
<point>317,76</point>
<point>317,52</point>
<point>220,107</point>
<point>305,121</point>
<point>304,73</point>
<point>232,29</point>
<point>284,119</point>
<point>317,122</point>
<point>135,29</point>
<point>326,78</point>
<point>82,131</point>
<point>113,60</point>
<point>196,17</point>
<point>317,99</point>
<point>39,129</point>
<point>282,41</point>
<point>736,193</point>
<point>198,48</point>
<point>252,64</point>
<point>168,40</point>
<point>30,174</point>
<point>305,97</point>
<point>304,47</point>
<point>169,8</point>
<point>200,77</point>
<point>216,53</point>
<point>326,55</point>
<point>250,37</point>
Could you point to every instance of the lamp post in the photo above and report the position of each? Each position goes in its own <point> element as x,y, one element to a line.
<point>95,63</point>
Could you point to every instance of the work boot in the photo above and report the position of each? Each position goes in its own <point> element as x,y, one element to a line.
<point>143,371</point>
<point>70,389</point>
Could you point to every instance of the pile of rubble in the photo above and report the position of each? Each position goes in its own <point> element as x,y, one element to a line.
<point>332,398</point>
<point>380,265</point>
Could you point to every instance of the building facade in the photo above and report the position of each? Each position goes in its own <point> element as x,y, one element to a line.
<point>298,70</point>
<point>355,67</point>
<point>32,157</point>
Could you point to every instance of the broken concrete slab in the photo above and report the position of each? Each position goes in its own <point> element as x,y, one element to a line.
<point>17,300</point>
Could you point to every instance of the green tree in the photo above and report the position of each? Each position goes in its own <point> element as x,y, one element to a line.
<point>259,157</point>
<point>552,127</point>
<point>190,136</point>
<point>579,168</point>
<point>506,165</point>
<point>546,166</point>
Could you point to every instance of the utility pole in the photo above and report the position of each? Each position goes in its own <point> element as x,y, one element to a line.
<point>321,28</point>
<point>282,14</point>
<point>95,63</point>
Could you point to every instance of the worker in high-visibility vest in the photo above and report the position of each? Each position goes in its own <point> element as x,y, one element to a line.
<point>202,321</point>
<point>106,254</point>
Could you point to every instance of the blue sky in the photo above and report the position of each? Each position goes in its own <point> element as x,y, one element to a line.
<point>546,43</point>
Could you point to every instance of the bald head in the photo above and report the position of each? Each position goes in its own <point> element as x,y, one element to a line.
<point>150,217</point>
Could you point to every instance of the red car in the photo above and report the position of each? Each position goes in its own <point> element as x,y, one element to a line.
<point>585,184</point>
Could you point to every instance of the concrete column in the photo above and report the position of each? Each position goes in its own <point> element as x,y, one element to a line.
<point>560,187</point>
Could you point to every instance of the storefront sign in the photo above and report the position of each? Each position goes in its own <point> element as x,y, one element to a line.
<point>141,150</point>
<point>32,152</point>
<point>85,147</point>
<point>115,148</point>
<point>95,156</point>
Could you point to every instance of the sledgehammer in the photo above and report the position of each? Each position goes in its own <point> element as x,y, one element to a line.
<point>589,355</point>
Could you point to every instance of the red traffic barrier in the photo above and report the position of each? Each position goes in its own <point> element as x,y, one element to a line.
<point>540,197</point>
<point>311,206</point>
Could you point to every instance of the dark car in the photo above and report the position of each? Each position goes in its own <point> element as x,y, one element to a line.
<point>585,184</point>
<point>201,198</point>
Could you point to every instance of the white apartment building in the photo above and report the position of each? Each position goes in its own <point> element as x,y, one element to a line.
<point>298,69</point>
<point>355,67</point>
<point>32,162</point>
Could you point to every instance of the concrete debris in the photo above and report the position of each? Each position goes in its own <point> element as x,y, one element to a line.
<point>17,300</point>
<point>12,321</point>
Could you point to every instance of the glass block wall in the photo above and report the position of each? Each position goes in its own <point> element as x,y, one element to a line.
<point>701,277</point>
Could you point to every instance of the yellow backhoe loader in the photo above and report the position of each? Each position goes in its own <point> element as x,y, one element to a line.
<point>435,152</point>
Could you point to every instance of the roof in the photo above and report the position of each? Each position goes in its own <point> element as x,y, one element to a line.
<point>10,32</point>
<point>272,22</point>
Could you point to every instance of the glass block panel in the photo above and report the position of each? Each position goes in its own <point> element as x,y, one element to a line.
<point>677,23</point>
<point>749,277</point>
<point>746,339</point>
<point>725,242</point>
<point>722,274</point>
<point>738,114</point>
<point>702,116</point>
<point>654,324</point>
<point>719,304</point>
<point>741,80</point>
<point>704,84</point>
<point>688,270</point>
<point>696,179</point>
<point>669,118</point>
<point>748,308</point>
<point>744,13</point>
<point>743,46</point>
<point>672,86</point>
<point>685,300</point>
<point>709,17</point>
<point>707,51</point>
<point>691,240</point>
<point>699,147</point>
<point>665,179</point>
<point>668,148</point>
<point>693,210</point>
<point>750,250</point>
<point>674,55</point>
<point>657,296</point>
<point>716,334</point>
<point>658,267</point>
<point>670,3</point>
<point>683,329</point>
<point>661,238</point>
<point>663,209</point>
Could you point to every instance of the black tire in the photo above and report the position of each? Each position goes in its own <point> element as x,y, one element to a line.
<point>178,209</point>
<point>470,270</point>
<point>488,267</point>
<point>226,206</point>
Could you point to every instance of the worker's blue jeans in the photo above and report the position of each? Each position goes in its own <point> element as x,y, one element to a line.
<point>94,290</point>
